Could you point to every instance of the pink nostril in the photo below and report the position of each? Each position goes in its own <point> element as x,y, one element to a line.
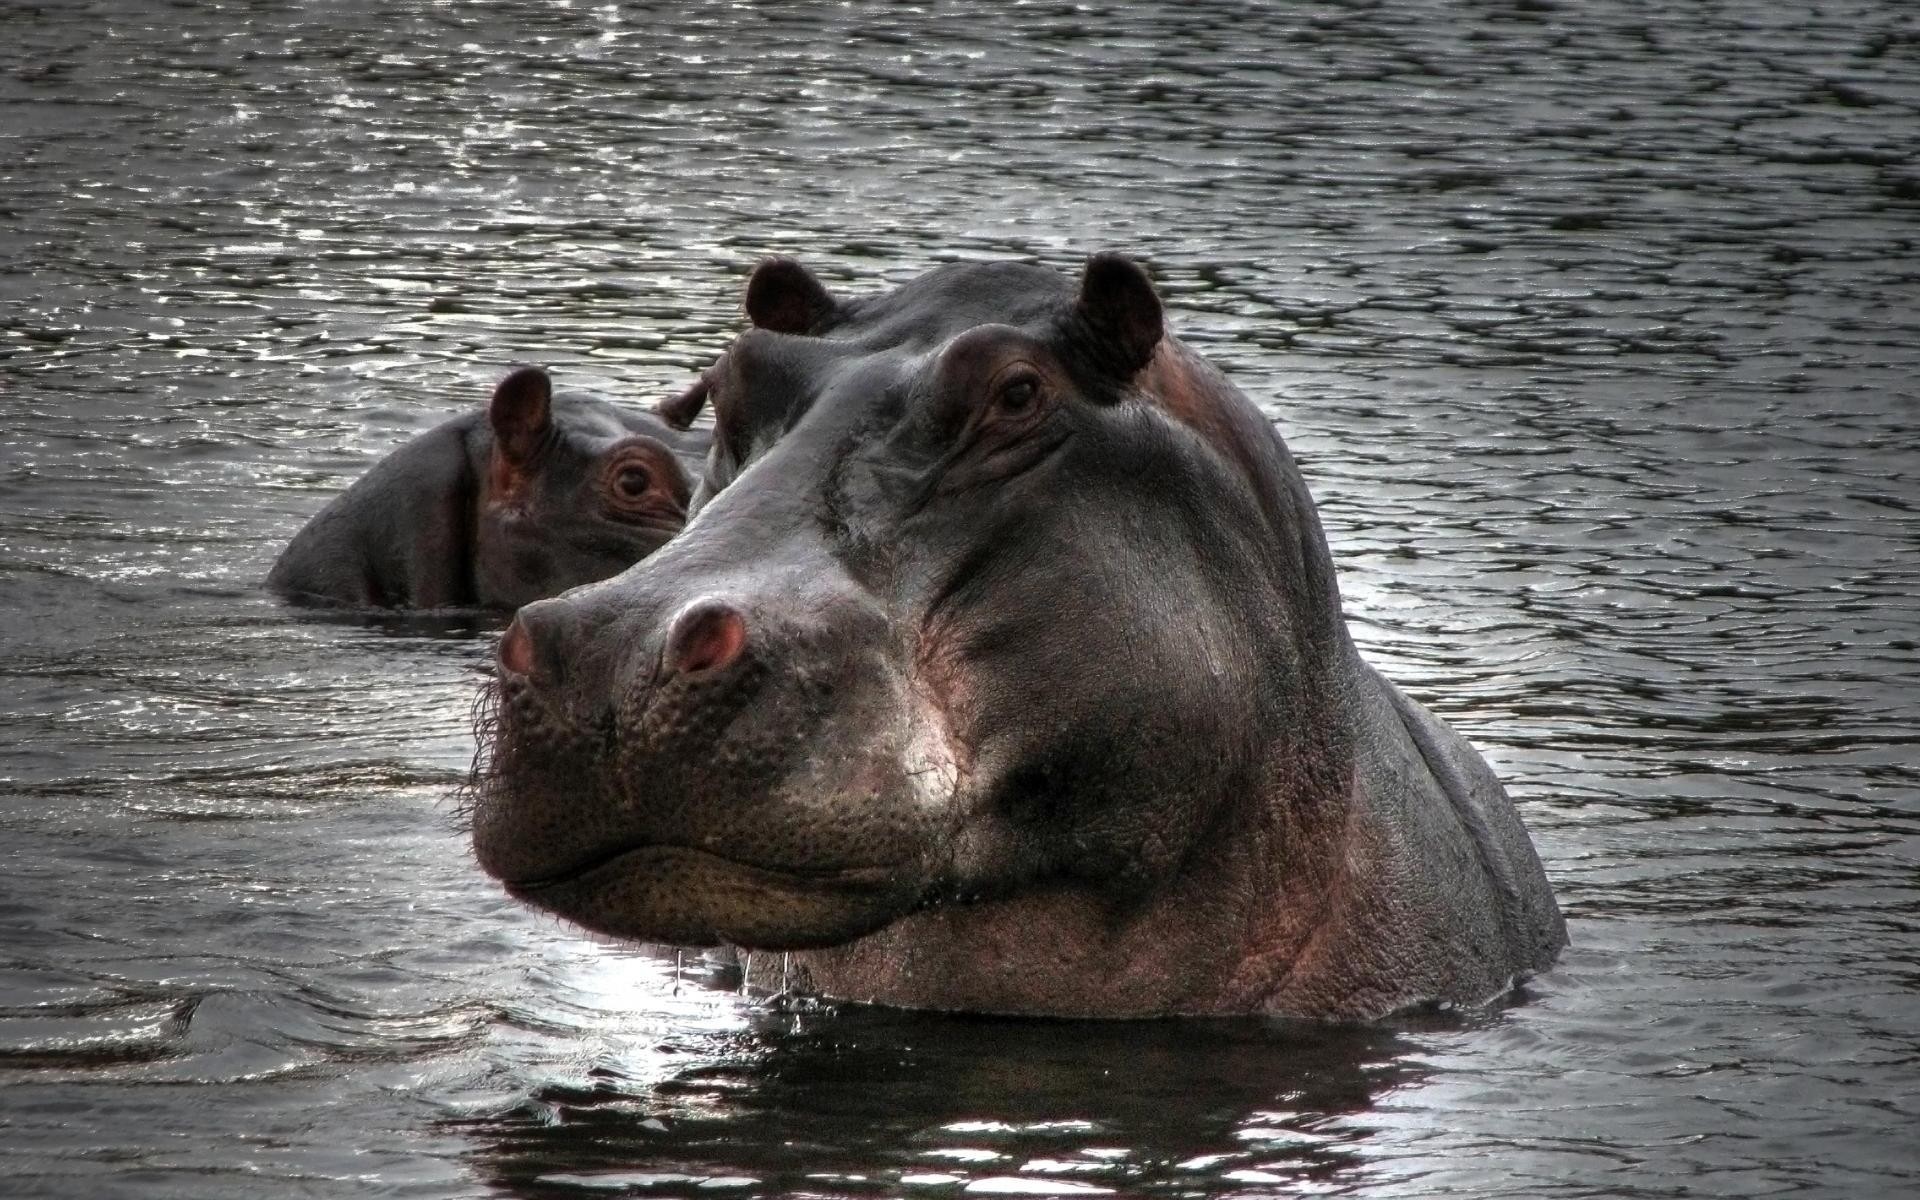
<point>516,649</point>
<point>707,636</point>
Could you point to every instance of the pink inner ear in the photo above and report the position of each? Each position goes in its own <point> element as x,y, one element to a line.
<point>521,408</point>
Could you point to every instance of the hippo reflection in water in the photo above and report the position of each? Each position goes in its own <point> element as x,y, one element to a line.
<point>1002,669</point>
<point>492,509</point>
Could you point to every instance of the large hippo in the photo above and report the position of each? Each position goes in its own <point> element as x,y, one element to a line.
<point>536,494</point>
<point>1001,669</point>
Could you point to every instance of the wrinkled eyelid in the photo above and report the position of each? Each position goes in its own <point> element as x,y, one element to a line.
<point>1018,371</point>
<point>1014,375</point>
<point>617,467</point>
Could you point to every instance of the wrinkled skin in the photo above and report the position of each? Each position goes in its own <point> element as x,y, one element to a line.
<point>497,508</point>
<point>1001,669</point>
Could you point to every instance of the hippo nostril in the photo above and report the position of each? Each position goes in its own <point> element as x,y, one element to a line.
<point>516,649</point>
<point>707,636</point>
<point>538,643</point>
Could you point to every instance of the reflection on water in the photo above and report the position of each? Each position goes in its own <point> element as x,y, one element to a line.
<point>863,1101</point>
<point>1596,333</point>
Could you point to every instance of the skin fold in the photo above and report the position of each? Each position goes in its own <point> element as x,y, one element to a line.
<point>1000,668</point>
<point>499,507</point>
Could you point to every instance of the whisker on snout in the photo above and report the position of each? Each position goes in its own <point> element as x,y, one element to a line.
<point>484,719</point>
<point>525,745</point>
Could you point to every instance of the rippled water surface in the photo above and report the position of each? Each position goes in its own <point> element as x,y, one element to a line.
<point>1597,330</point>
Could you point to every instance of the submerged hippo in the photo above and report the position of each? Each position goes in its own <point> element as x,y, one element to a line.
<point>537,494</point>
<point>1001,669</point>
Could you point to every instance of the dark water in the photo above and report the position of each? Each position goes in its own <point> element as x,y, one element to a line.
<point>1596,326</point>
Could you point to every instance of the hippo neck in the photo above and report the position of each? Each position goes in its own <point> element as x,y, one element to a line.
<point>1220,935</point>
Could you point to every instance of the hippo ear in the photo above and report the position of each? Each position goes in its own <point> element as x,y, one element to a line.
<point>1119,312</point>
<point>680,411</point>
<point>785,297</point>
<point>521,413</point>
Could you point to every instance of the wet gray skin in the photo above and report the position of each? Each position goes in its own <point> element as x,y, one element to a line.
<point>1001,669</point>
<point>536,494</point>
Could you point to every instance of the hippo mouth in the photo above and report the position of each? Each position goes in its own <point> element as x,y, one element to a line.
<point>640,856</point>
<point>690,896</point>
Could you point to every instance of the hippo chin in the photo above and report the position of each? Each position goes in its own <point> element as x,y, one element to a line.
<point>1001,668</point>
<point>492,509</point>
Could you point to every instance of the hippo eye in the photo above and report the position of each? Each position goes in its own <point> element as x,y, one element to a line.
<point>1018,396</point>
<point>633,482</point>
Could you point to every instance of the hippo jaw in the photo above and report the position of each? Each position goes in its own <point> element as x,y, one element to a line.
<point>692,897</point>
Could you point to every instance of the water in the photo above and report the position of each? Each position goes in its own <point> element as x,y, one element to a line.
<point>1597,331</point>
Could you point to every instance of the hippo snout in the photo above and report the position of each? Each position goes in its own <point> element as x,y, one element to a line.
<point>706,637</point>
<point>559,650</point>
<point>655,760</point>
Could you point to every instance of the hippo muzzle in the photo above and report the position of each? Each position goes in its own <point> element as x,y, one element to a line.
<point>701,758</point>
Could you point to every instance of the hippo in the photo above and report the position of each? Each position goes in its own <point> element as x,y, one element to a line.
<point>1001,669</point>
<point>494,509</point>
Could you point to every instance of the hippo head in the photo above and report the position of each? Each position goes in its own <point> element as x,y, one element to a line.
<point>573,493</point>
<point>992,588</point>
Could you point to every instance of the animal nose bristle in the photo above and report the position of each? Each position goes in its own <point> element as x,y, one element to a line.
<point>707,636</point>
